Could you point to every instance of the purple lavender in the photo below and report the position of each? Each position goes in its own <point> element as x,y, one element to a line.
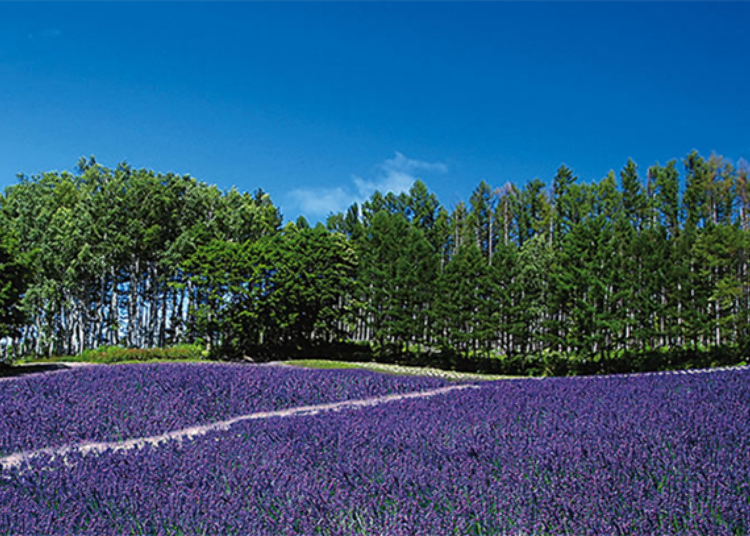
<point>636,455</point>
<point>125,401</point>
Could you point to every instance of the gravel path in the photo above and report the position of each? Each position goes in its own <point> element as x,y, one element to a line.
<point>16,459</point>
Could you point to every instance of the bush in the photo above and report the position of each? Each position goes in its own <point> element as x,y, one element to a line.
<point>116,354</point>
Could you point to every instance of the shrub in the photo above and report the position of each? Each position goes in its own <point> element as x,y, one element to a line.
<point>116,354</point>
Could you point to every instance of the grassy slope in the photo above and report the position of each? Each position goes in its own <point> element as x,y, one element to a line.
<point>393,369</point>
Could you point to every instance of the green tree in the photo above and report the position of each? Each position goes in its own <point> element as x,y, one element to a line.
<point>310,286</point>
<point>15,275</point>
<point>483,201</point>
<point>468,315</point>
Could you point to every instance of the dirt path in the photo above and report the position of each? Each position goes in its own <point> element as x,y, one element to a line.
<point>27,370</point>
<point>16,459</point>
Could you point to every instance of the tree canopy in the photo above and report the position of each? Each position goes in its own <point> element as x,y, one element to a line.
<point>635,262</point>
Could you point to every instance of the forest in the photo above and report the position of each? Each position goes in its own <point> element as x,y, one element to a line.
<point>636,271</point>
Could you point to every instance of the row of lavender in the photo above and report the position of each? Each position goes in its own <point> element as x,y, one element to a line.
<point>628,455</point>
<point>121,402</point>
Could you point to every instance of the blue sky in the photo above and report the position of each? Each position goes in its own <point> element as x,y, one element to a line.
<point>320,103</point>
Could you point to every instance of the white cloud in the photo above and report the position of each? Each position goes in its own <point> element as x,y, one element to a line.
<point>400,163</point>
<point>320,201</point>
<point>394,175</point>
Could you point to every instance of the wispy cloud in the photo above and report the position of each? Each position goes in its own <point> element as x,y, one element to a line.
<point>320,201</point>
<point>394,175</point>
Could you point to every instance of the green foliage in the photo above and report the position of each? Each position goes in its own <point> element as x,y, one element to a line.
<point>465,308</point>
<point>106,247</point>
<point>15,275</point>
<point>570,278</point>
<point>114,354</point>
<point>281,291</point>
<point>117,354</point>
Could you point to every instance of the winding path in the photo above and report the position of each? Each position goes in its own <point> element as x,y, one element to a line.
<point>16,459</point>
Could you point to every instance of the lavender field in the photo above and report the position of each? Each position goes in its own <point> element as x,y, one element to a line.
<point>122,401</point>
<point>651,454</point>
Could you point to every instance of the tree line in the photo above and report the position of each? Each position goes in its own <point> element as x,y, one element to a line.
<point>567,272</point>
